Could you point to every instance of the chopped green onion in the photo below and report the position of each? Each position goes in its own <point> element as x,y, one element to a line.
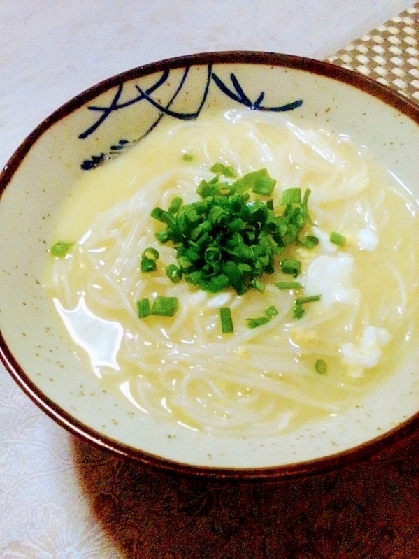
<point>164,306</point>
<point>320,366</point>
<point>270,312</point>
<point>174,273</point>
<point>308,241</point>
<point>264,184</point>
<point>226,320</point>
<point>257,284</point>
<point>298,307</point>
<point>289,285</point>
<point>60,249</point>
<point>259,182</point>
<point>163,236</point>
<point>225,170</point>
<point>161,215</point>
<point>291,196</point>
<point>298,311</point>
<point>255,322</point>
<point>337,238</point>
<point>308,299</point>
<point>151,253</point>
<point>175,205</point>
<point>289,266</point>
<point>228,239</point>
<point>143,308</point>
<point>305,206</point>
<point>187,157</point>
<point>148,259</point>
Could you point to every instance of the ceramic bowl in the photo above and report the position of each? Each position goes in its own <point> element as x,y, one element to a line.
<point>89,129</point>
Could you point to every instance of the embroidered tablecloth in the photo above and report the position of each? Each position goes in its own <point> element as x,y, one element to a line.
<point>61,498</point>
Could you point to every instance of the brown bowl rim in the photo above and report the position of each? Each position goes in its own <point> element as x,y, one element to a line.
<point>318,466</point>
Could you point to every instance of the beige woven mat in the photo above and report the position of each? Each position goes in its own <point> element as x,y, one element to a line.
<point>388,54</point>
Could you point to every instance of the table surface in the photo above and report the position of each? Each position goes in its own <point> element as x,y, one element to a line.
<point>62,498</point>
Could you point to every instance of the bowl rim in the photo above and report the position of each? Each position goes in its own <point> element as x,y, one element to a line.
<point>364,451</point>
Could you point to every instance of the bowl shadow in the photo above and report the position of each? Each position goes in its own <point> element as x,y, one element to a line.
<point>367,510</point>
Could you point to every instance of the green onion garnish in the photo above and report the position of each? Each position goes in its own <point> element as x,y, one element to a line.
<point>270,312</point>
<point>164,306</point>
<point>289,266</point>
<point>264,184</point>
<point>225,170</point>
<point>143,308</point>
<point>289,285</point>
<point>175,205</point>
<point>258,182</point>
<point>226,320</point>
<point>226,239</point>
<point>187,157</point>
<point>308,299</point>
<point>320,366</point>
<point>255,322</point>
<point>337,238</point>
<point>257,284</point>
<point>60,249</point>
<point>174,273</point>
<point>148,259</point>
<point>308,242</point>
<point>291,196</point>
<point>298,307</point>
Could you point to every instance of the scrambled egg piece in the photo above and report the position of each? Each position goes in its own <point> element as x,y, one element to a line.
<point>306,339</point>
<point>367,354</point>
<point>242,352</point>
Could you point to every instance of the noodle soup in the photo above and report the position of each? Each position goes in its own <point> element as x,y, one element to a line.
<point>285,372</point>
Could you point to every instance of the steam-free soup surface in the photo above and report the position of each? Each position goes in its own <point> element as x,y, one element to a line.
<point>274,377</point>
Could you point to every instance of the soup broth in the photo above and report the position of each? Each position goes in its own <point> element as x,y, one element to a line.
<point>285,372</point>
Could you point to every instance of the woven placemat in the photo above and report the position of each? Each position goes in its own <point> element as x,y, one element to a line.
<point>388,54</point>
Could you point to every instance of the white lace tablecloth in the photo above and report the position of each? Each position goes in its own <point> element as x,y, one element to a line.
<point>59,498</point>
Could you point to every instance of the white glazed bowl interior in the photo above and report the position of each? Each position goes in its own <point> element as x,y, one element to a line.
<point>34,347</point>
